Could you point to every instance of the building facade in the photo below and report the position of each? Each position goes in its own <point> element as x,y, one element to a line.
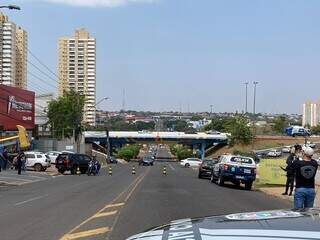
<point>77,69</point>
<point>311,114</point>
<point>13,54</point>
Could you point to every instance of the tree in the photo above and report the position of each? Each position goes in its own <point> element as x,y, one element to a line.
<point>128,152</point>
<point>239,129</point>
<point>181,152</point>
<point>196,118</point>
<point>279,124</point>
<point>217,124</point>
<point>66,114</point>
<point>316,130</point>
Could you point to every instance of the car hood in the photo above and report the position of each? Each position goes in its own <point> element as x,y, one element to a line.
<point>264,225</point>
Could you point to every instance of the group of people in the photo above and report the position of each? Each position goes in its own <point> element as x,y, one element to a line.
<point>18,162</point>
<point>301,169</point>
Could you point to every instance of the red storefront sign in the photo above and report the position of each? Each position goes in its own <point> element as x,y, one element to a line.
<point>16,108</point>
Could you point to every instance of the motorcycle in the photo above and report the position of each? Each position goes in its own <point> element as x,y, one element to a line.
<point>92,169</point>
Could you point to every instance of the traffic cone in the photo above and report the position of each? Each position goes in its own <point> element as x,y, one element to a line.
<point>164,171</point>
<point>110,171</point>
<point>78,171</point>
<point>133,170</point>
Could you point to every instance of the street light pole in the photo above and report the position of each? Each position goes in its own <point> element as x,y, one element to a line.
<point>254,97</point>
<point>246,109</point>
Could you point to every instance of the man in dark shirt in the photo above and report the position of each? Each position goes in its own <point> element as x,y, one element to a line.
<point>295,151</point>
<point>305,171</point>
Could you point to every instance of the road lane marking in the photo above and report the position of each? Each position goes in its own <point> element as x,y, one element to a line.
<point>30,200</point>
<point>105,214</point>
<point>88,233</point>
<point>135,186</point>
<point>113,205</point>
<point>172,168</point>
<point>18,179</point>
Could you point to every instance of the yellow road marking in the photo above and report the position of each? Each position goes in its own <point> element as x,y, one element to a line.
<point>105,214</point>
<point>88,233</point>
<point>112,205</point>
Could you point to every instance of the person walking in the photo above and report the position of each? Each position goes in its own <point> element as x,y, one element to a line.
<point>20,159</point>
<point>294,155</point>
<point>305,171</point>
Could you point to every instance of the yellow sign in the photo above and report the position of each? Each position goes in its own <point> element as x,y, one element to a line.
<point>270,171</point>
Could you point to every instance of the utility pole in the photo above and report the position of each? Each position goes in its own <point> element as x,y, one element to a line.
<point>254,97</point>
<point>246,109</point>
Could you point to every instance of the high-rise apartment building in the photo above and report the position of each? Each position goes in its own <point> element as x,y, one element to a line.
<point>311,114</point>
<point>13,54</point>
<point>77,69</point>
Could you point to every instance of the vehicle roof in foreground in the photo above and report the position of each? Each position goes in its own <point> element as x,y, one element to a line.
<point>266,225</point>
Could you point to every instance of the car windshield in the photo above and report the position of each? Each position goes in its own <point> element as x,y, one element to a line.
<point>119,116</point>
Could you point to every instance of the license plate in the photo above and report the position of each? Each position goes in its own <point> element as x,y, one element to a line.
<point>247,170</point>
<point>239,177</point>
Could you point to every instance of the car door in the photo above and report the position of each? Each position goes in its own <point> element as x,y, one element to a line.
<point>30,159</point>
<point>40,159</point>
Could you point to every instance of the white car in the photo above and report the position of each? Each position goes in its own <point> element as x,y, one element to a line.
<point>191,162</point>
<point>53,155</point>
<point>37,161</point>
<point>274,153</point>
<point>286,149</point>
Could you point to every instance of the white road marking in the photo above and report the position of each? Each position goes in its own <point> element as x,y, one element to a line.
<point>172,168</point>
<point>30,200</point>
<point>18,179</point>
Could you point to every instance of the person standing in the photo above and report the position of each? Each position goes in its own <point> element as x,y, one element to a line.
<point>295,152</point>
<point>20,159</point>
<point>5,158</point>
<point>305,171</point>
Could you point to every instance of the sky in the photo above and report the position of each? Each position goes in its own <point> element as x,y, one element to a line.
<point>186,54</point>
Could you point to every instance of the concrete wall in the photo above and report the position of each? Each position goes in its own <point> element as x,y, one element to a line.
<point>46,144</point>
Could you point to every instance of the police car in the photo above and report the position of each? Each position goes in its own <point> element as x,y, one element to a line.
<point>264,225</point>
<point>235,169</point>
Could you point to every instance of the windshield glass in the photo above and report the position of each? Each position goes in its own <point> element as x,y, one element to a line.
<point>241,160</point>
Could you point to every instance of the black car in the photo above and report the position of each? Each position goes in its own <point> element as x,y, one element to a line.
<point>276,224</point>
<point>206,168</point>
<point>71,162</point>
<point>146,161</point>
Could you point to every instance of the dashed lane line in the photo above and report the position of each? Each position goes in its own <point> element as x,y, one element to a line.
<point>172,168</point>
<point>30,200</point>
<point>88,233</point>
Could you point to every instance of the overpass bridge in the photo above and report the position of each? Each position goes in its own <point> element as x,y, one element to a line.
<point>198,141</point>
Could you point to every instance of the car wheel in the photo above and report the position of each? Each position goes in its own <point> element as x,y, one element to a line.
<point>199,175</point>
<point>220,181</point>
<point>38,167</point>
<point>61,171</point>
<point>187,165</point>
<point>83,171</point>
<point>237,184</point>
<point>248,185</point>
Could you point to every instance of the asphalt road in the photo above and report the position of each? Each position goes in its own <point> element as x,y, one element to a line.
<point>115,207</point>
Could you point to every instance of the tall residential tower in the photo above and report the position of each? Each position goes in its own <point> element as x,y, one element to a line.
<point>77,69</point>
<point>13,54</point>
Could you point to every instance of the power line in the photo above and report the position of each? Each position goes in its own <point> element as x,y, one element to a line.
<point>35,76</point>
<point>44,65</point>
<point>40,70</point>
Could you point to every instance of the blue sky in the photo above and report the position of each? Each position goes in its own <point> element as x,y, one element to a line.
<point>188,53</point>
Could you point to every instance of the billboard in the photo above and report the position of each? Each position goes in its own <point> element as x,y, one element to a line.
<point>16,108</point>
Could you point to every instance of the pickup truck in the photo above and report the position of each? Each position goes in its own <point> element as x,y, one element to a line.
<point>71,161</point>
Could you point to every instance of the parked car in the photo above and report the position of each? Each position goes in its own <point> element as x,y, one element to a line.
<point>37,161</point>
<point>310,144</point>
<point>206,168</point>
<point>112,160</point>
<point>286,149</point>
<point>269,224</point>
<point>71,162</point>
<point>235,169</point>
<point>53,156</point>
<point>146,161</point>
<point>191,162</point>
<point>274,153</point>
